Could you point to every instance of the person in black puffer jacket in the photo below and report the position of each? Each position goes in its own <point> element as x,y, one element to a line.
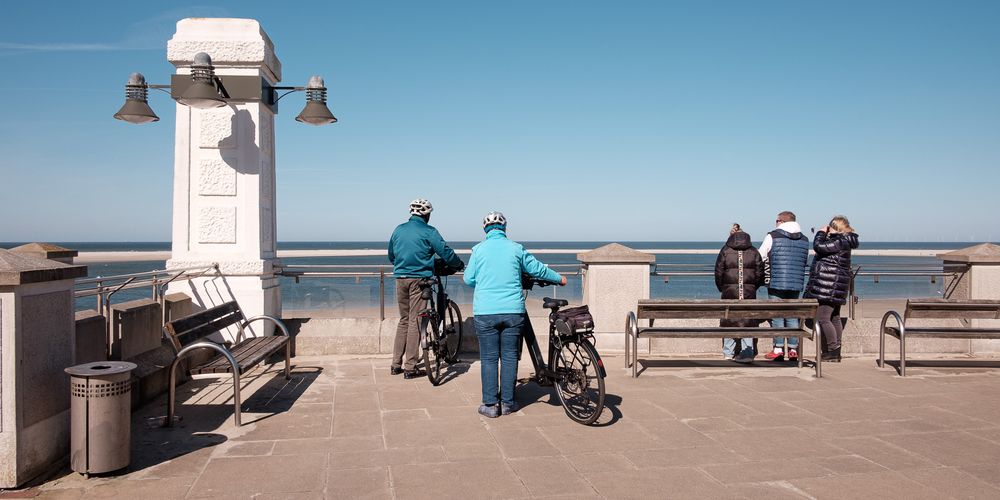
<point>830,281</point>
<point>739,270</point>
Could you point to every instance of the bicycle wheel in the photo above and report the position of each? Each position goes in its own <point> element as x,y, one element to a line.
<point>432,349</point>
<point>579,385</point>
<point>452,332</point>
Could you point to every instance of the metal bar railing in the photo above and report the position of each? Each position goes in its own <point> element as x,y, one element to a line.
<point>105,287</point>
<point>297,272</point>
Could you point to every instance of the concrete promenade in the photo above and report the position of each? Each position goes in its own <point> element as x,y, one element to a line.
<point>344,428</point>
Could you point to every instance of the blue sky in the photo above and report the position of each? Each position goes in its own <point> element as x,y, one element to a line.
<point>579,120</point>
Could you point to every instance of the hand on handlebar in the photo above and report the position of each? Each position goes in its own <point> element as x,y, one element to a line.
<point>563,281</point>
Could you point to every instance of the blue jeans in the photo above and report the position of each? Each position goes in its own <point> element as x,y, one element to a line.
<point>793,342</point>
<point>729,346</point>
<point>498,336</point>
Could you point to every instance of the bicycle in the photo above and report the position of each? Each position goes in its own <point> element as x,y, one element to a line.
<point>440,324</point>
<point>574,367</point>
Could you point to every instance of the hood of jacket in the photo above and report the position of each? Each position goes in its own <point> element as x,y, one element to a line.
<point>739,241</point>
<point>851,238</point>
<point>790,230</point>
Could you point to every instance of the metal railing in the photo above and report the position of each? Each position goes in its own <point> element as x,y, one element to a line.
<point>298,272</point>
<point>105,287</point>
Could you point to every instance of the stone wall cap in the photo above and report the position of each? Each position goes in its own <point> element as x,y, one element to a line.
<point>231,42</point>
<point>615,253</point>
<point>45,250</point>
<point>984,253</point>
<point>20,269</point>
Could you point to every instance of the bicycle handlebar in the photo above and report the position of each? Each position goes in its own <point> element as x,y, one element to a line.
<point>529,282</point>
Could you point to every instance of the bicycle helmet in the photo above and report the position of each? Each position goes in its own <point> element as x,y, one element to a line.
<point>421,207</point>
<point>494,220</point>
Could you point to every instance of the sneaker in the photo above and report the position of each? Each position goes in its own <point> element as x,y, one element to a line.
<point>491,411</point>
<point>507,409</point>
<point>776,355</point>
<point>408,374</point>
<point>793,355</point>
<point>745,357</point>
<point>395,370</point>
<point>727,357</point>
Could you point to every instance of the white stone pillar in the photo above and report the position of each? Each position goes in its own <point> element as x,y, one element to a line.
<point>37,341</point>
<point>615,277</point>
<point>224,194</point>
<point>978,269</point>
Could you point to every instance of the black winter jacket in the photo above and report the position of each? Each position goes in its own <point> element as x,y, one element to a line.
<point>739,266</point>
<point>830,274</point>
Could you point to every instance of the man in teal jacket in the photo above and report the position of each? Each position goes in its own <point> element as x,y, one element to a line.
<point>495,270</point>
<point>412,248</point>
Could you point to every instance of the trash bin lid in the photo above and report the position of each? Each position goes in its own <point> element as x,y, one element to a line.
<point>98,368</point>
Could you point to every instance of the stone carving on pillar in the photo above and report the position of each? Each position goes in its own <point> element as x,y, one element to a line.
<point>224,172</point>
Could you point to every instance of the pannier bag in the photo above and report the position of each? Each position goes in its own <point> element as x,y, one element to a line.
<point>577,318</point>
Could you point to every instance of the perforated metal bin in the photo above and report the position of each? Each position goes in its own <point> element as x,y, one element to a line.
<point>101,411</point>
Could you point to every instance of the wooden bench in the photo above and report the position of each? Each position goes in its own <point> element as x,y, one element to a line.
<point>937,309</point>
<point>718,309</point>
<point>190,333</point>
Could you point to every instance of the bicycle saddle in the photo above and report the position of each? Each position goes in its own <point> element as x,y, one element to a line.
<point>549,303</point>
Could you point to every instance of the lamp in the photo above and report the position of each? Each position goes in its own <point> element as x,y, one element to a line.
<point>136,108</point>
<point>316,112</point>
<point>202,89</point>
<point>202,94</point>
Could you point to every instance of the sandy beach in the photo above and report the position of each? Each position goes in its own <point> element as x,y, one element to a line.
<point>101,257</point>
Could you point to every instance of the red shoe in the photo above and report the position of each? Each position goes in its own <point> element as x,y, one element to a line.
<point>774,356</point>
<point>793,355</point>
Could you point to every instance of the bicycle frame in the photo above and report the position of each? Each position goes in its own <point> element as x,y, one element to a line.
<point>545,371</point>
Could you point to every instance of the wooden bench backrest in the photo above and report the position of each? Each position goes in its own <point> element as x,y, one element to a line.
<point>726,309</point>
<point>952,309</point>
<point>190,329</point>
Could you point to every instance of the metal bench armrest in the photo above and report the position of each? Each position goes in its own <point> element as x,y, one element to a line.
<point>902,339</point>
<point>277,322</point>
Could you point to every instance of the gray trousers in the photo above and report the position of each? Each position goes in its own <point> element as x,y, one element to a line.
<point>406,348</point>
<point>828,317</point>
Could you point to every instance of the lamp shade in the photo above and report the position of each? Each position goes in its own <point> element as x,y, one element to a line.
<point>202,95</point>
<point>136,108</point>
<point>316,112</point>
<point>135,111</point>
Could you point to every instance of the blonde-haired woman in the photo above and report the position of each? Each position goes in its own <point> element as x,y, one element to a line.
<point>830,281</point>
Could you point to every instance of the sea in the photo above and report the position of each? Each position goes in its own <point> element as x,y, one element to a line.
<point>360,295</point>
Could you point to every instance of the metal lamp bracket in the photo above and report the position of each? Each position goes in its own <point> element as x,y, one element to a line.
<point>235,89</point>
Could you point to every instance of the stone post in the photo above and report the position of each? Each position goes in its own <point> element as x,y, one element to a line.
<point>978,277</point>
<point>224,195</point>
<point>37,336</point>
<point>615,277</point>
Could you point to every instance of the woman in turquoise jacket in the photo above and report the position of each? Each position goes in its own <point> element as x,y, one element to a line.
<point>495,270</point>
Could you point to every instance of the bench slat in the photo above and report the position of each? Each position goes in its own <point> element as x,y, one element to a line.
<point>723,332</point>
<point>247,353</point>
<point>946,332</point>
<point>952,309</point>
<point>194,327</point>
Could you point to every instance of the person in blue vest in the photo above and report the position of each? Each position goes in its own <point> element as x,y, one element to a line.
<point>412,248</point>
<point>495,270</point>
<point>786,254</point>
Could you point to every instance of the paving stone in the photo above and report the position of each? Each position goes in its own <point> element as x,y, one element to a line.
<point>770,470</point>
<point>586,463</point>
<point>675,434</point>
<point>141,488</point>
<point>771,490</point>
<point>458,480</point>
<point>949,448</point>
<point>953,482</point>
<point>520,443</point>
<point>711,424</point>
<point>885,454</point>
<point>888,484</point>
<point>371,483</point>
<point>357,423</point>
<point>325,445</point>
<point>848,464</point>
<point>681,457</point>
<point>677,482</point>
<point>550,475</point>
<point>242,476</point>
<point>394,456</point>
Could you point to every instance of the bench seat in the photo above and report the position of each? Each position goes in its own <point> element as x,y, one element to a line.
<point>760,310</point>
<point>938,309</point>
<point>247,354</point>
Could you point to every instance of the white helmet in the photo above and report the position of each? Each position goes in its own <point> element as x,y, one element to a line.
<point>421,207</point>
<point>494,219</point>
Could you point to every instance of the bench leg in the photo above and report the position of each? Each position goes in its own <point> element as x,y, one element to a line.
<point>236,397</point>
<point>902,353</point>
<point>801,343</point>
<point>288,361</point>
<point>817,337</point>
<point>172,393</point>
<point>635,355</point>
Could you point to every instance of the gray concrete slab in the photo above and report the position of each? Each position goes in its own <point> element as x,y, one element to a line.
<point>344,428</point>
